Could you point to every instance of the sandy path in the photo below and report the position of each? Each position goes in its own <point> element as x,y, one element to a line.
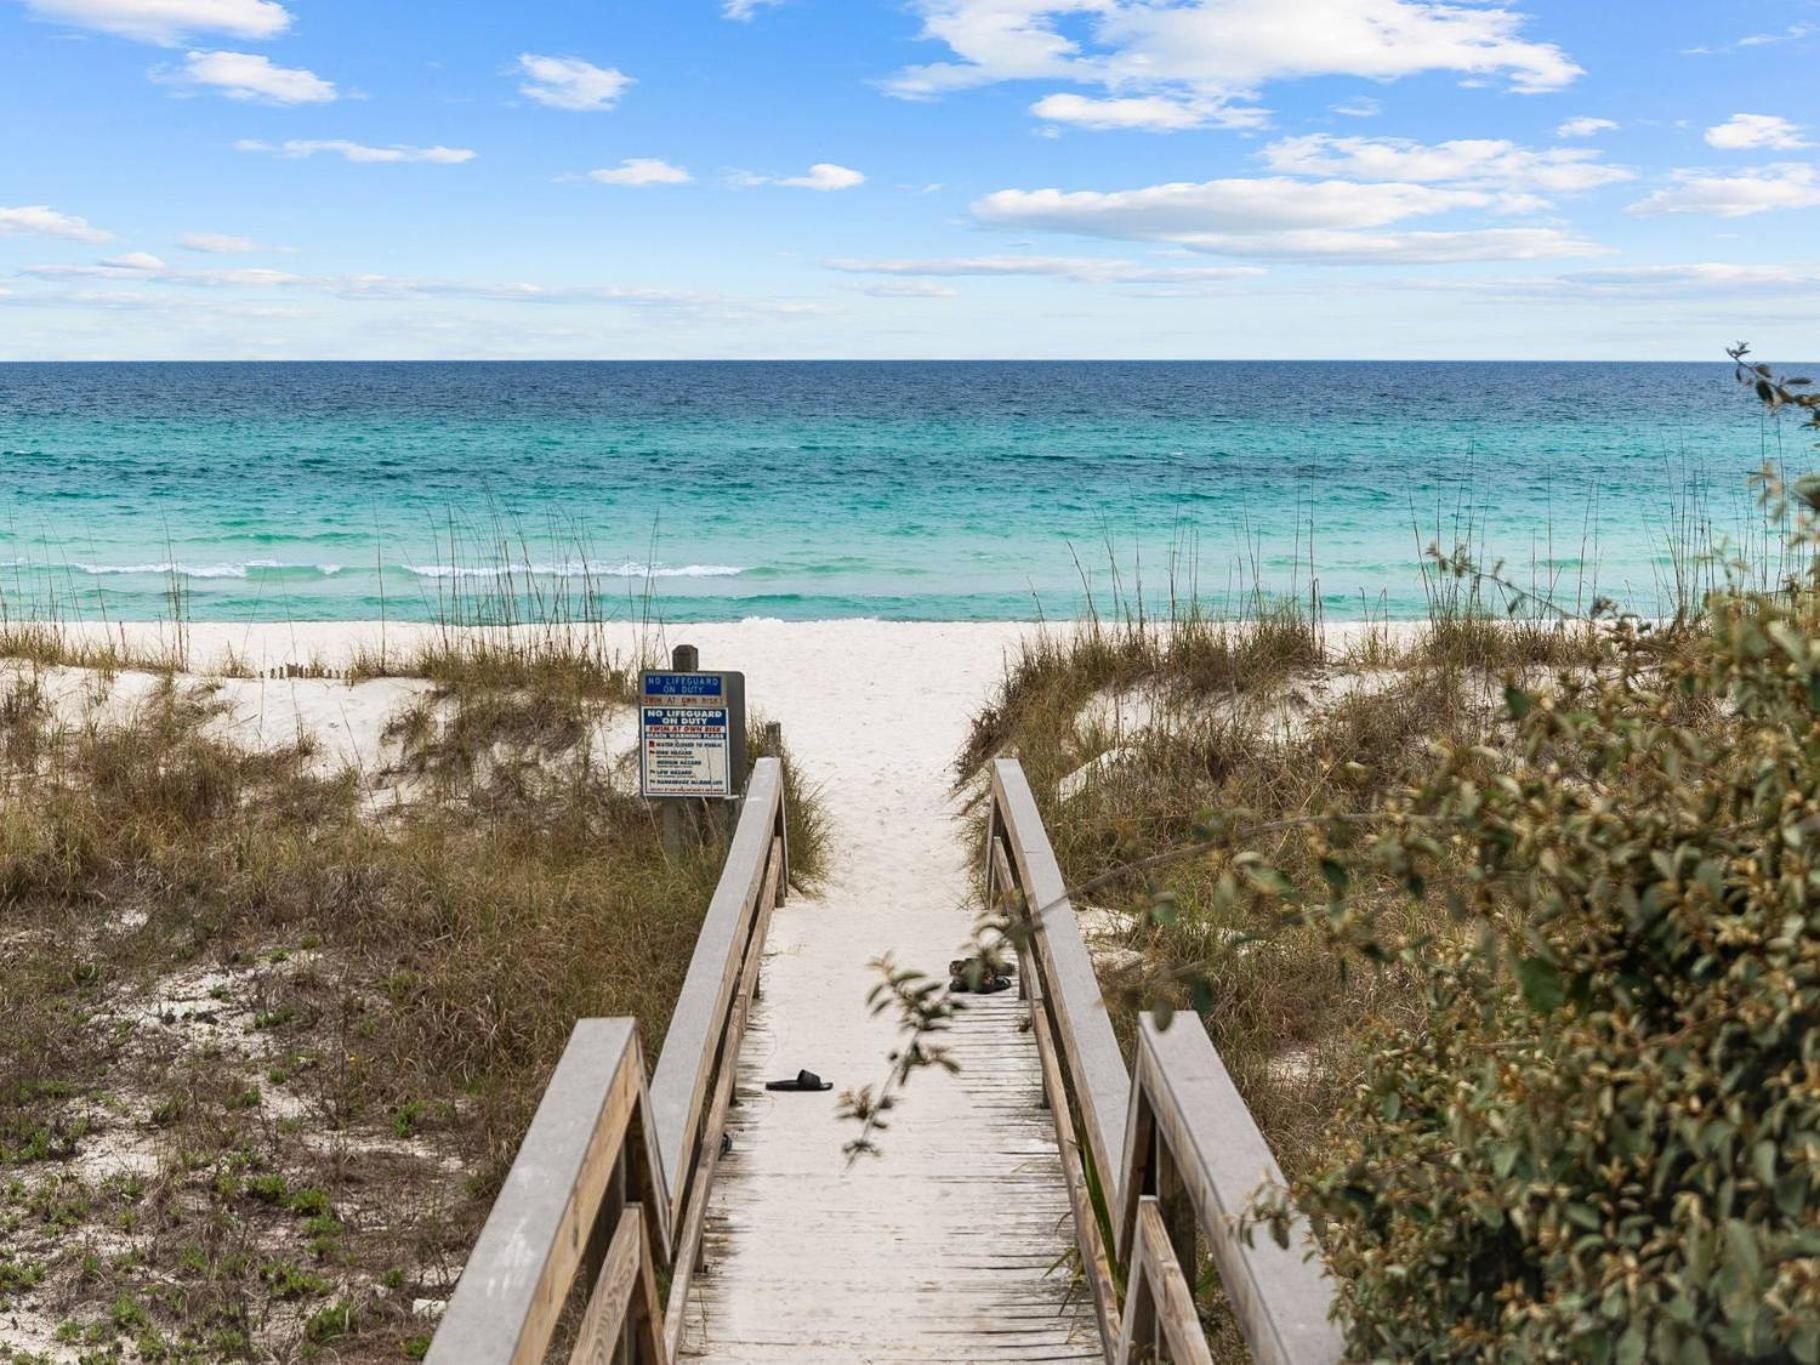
<point>942,1248</point>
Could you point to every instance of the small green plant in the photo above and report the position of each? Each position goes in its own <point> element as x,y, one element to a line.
<point>337,1320</point>
<point>407,1117</point>
<point>324,1235</point>
<point>308,1203</point>
<point>128,1315</point>
<point>290,1281</point>
<point>16,1275</point>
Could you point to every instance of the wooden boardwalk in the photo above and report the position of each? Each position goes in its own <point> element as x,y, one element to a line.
<point>975,1236</point>
<point>954,1245</point>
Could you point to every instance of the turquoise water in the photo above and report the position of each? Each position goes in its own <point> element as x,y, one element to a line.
<point>934,491</point>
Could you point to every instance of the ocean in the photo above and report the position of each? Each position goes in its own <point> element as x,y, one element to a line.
<point>910,491</point>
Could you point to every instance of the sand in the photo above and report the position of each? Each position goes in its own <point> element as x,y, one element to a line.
<point>875,714</point>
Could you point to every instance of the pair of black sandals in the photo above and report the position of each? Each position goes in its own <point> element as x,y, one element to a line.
<point>967,975</point>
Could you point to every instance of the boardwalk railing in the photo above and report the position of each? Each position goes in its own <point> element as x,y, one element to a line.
<point>1157,1158</point>
<point>610,1188</point>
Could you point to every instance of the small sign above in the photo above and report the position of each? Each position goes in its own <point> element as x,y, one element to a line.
<point>692,735</point>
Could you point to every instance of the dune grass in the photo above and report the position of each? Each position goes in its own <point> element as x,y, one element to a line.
<point>267,1049</point>
<point>1142,736</point>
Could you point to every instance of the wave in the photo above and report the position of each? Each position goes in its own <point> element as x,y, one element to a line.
<point>240,569</point>
<point>247,568</point>
<point>626,570</point>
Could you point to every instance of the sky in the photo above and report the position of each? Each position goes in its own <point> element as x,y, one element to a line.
<point>621,179</point>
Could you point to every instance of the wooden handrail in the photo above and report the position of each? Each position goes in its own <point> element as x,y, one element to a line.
<point>612,1178</point>
<point>1190,1131</point>
<point>574,1163</point>
<point>1096,1067</point>
<point>691,1052</point>
<point>1187,1156</point>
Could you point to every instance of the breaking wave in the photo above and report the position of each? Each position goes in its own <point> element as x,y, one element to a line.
<point>223,570</point>
<point>626,570</point>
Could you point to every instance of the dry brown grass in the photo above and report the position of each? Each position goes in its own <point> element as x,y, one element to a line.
<point>49,644</point>
<point>264,1054</point>
<point>1248,723</point>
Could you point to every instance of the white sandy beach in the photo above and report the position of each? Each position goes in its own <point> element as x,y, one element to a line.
<point>862,702</point>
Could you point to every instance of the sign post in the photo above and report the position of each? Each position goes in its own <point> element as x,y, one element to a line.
<point>691,738</point>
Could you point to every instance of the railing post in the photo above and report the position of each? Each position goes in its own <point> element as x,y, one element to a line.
<point>1178,1214</point>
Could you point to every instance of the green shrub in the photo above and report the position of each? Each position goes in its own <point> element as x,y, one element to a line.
<point>1605,1146</point>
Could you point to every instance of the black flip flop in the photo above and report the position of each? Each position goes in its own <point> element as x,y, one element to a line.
<point>803,1080</point>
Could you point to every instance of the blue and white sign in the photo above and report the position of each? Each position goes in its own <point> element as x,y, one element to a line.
<point>691,734</point>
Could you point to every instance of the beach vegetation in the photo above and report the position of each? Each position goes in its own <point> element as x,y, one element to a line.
<point>275,1022</point>
<point>1507,940</point>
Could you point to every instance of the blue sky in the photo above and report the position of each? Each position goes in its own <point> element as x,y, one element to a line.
<point>914,178</point>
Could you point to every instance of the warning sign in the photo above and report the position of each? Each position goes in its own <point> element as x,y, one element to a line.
<point>692,734</point>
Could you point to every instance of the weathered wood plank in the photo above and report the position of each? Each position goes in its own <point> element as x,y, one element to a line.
<point>506,1305</point>
<point>952,1246</point>
<point>647,1313</point>
<point>692,1046</point>
<point>688,1243</point>
<point>1137,1329</point>
<point>1096,1067</point>
<point>603,1324</point>
<point>1096,1268</point>
<point>1281,1296</point>
<point>1175,1309</point>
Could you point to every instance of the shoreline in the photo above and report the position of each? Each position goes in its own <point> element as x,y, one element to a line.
<point>208,646</point>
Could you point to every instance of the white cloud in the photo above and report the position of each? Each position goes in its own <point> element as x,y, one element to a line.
<point>1215,53</point>
<point>909,289</point>
<point>1489,162</point>
<point>570,83</point>
<point>1083,269</point>
<point>1793,33</point>
<point>144,269</point>
<point>168,22</point>
<point>217,243</point>
<point>40,220</point>
<point>1277,218</point>
<point>1699,277</point>
<point>1146,113</point>
<point>823,175</point>
<point>642,170</point>
<point>1586,126</point>
<point>1362,107</point>
<point>1788,185</point>
<point>1747,132</point>
<point>1178,211</point>
<point>298,148</point>
<point>248,76</point>
<point>124,300</point>
<point>1404,248</point>
<point>744,9</point>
